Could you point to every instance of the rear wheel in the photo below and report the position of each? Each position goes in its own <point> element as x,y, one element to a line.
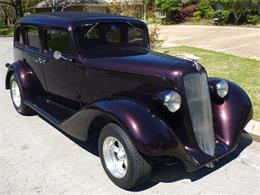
<point>123,164</point>
<point>18,97</point>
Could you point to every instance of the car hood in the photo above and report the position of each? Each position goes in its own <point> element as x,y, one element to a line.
<point>148,64</point>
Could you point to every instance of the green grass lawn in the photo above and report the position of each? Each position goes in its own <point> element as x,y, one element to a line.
<point>243,71</point>
<point>6,31</point>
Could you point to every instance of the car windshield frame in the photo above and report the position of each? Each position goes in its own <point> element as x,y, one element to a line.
<point>93,25</point>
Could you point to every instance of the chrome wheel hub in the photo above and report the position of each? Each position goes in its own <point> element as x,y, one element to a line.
<point>16,95</point>
<point>115,157</point>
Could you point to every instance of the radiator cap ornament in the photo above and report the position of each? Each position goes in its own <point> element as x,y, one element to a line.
<point>197,65</point>
<point>193,58</point>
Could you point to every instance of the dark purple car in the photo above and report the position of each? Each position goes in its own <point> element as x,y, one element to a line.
<point>93,74</point>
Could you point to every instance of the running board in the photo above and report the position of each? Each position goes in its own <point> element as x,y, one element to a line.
<point>52,111</point>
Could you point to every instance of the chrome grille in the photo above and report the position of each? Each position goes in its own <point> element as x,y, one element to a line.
<point>197,93</point>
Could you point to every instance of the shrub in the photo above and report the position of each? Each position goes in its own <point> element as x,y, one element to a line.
<point>185,13</point>
<point>155,42</point>
<point>206,9</point>
<point>223,17</point>
<point>253,19</point>
<point>197,15</point>
<point>6,31</point>
<point>169,7</point>
<point>209,14</point>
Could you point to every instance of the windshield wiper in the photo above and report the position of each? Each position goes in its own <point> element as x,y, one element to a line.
<point>89,31</point>
<point>130,24</point>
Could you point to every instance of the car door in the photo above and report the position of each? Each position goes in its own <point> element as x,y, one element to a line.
<point>66,77</point>
<point>33,52</point>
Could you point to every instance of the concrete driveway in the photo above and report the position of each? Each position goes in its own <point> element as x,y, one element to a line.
<point>36,158</point>
<point>240,41</point>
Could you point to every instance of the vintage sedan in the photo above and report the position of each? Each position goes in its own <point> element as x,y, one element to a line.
<point>94,74</point>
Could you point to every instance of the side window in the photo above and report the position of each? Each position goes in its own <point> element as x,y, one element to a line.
<point>58,40</point>
<point>18,39</point>
<point>33,37</point>
<point>94,34</point>
<point>135,36</point>
<point>112,33</point>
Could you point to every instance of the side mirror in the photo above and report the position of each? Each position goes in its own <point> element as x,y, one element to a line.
<point>57,55</point>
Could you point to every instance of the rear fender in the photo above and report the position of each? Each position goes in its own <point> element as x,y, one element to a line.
<point>25,75</point>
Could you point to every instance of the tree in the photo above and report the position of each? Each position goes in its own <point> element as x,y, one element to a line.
<point>16,4</point>
<point>125,8</point>
<point>239,8</point>
<point>206,9</point>
<point>7,14</point>
<point>28,5</point>
<point>168,6</point>
<point>59,5</point>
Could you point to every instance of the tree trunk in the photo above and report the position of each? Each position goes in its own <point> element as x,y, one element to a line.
<point>19,6</point>
<point>4,9</point>
<point>237,17</point>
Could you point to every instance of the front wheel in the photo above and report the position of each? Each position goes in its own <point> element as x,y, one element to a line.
<point>123,164</point>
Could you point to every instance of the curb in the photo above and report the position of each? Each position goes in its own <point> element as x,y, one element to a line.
<point>253,128</point>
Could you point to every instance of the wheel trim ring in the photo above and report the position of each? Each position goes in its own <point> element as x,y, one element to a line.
<point>16,94</point>
<point>116,163</point>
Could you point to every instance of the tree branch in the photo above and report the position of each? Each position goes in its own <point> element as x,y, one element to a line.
<point>7,3</point>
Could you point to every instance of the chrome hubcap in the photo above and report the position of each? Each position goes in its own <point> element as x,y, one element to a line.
<point>115,157</point>
<point>16,95</point>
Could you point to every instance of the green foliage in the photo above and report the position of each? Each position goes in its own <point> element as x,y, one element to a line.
<point>168,5</point>
<point>239,8</point>
<point>29,4</point>
<point>197,16</point>
<point>223,17</point>
<point>8,31</point>
<point>1,23</point>
<point>253,19</point>
<point>206,9</point>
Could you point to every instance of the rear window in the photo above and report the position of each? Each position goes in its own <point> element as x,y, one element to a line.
<point>58,40</point>
<point>33,37</point>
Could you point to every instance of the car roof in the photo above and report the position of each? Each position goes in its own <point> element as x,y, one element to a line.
<point>70,18</point>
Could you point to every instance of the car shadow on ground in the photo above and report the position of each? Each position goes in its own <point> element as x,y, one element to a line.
<point>168,174</point>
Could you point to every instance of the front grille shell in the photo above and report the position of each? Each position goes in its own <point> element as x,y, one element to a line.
<point>199,105</point>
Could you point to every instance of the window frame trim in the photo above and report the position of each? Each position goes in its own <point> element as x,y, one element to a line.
<point>26,45</point>
<point>17,44</point>
<point>146,31</point>
<point>45,42</point>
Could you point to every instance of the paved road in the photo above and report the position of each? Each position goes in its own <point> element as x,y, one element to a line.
<point>239,41</point>
<point>36,158</point>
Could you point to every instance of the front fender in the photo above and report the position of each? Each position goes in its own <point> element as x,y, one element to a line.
<point>231,115</point>
<point>148,132</point>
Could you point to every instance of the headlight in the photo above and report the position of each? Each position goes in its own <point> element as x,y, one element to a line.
<point>172,101</point>
<point>222,88</point>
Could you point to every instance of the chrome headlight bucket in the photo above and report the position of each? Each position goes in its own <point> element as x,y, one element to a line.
<point>222,88</point>
<point>172,101</point>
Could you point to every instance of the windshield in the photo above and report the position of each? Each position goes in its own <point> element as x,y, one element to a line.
<point>120,34</point>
